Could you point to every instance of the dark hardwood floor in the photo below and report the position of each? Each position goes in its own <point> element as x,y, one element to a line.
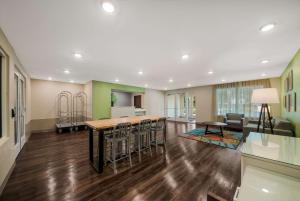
<point>56,167</point>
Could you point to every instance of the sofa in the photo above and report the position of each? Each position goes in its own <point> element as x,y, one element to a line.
<point>280,127</point>
<point>234,121</point>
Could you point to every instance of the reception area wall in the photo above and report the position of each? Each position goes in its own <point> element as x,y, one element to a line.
<point>293,116</point>
<point>101,97</point>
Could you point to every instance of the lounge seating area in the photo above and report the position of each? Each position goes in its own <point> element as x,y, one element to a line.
<point>280,127</point>
<point>113,100</point>
<point>234,121</point>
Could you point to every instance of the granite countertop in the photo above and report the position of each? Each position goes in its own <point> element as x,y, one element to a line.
<point>274,147</point>
<point>264,185</point>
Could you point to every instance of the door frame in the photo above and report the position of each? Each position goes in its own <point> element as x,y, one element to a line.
<point>5,95</point>
<point>20,117</point>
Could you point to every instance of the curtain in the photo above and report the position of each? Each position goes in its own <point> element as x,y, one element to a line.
<point>236,97</point>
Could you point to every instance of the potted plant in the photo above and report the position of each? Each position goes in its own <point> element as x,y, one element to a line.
<point>113,99</point>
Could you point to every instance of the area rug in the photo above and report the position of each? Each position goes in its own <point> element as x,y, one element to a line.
<point>230,140</point>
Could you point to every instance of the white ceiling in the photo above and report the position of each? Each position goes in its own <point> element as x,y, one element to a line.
<point>152,35</point>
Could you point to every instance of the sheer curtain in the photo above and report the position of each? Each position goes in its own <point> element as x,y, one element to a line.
<point>236,97</point>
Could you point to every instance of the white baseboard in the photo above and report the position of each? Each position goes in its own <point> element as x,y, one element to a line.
<point>7,177</point>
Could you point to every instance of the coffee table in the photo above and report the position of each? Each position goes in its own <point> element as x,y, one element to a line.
<point>214,124</point>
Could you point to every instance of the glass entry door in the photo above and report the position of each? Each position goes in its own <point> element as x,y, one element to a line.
<point>181,107</point>
<point>171,104</point>
<point>19,111</point>
<point>191,107</point>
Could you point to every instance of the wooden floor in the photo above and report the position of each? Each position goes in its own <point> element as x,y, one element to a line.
<point>56,167</point>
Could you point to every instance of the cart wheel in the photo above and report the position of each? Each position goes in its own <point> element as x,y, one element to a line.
<point>85,128</point>
<point>76,128</point>
<point>71,129</point>
<point>59,130</point>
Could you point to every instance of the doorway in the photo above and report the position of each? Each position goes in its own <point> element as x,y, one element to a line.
<point>181,107</point>
<point>19,110</point>
<point>191,108</point>
<point>137,101</point>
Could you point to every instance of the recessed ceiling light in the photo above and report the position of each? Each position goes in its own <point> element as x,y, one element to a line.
<point>141,73</point>
<point>210,72</point>
<point>165,88</point>
<point>108,7</point>
<point>49,78</point>
<point>265,190</point>
<point>77,55</point>
<point>171,80</point>
<point>117,80</point>
<point>267,27</point>
<point>263,74</point>
<point>265,61</point>
<point>185,57</point>
<point>189,85</point>
<point>146,85</point>
<point>223,80</point>
<point>72,81</point>
<point>66,71</point>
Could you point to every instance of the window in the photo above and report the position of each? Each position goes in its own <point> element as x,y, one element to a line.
<point>236,98</point>
<point>1,96</point>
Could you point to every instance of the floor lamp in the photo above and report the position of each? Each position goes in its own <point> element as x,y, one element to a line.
<point>265,96</point>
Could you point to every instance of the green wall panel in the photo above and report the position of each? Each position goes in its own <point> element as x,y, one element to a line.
<point>292,116</point>
<point>102,97</point>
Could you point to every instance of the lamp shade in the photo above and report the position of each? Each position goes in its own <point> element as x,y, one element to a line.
<point>266,95</point>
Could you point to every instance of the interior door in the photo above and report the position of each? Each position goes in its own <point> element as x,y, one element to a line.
<point>19,111</point>
<point>137,101</point>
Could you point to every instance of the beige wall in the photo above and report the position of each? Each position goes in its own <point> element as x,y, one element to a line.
<point>8,150</point>
<point>204,101</point>
<point>44,102</point>
<point>154,102</point>
<point>88,89</point>
<point>44,97</point>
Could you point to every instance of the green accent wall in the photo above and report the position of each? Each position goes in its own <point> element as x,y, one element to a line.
<point>292,116</point>
<point>101,101</point>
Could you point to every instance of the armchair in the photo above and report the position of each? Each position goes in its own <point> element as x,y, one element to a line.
<point>234,121</point>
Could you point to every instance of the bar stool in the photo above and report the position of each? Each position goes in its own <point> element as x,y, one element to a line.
<point>143,136</point>
<point>121,134</point>
<point>157,127</point>
<point>106,133</point>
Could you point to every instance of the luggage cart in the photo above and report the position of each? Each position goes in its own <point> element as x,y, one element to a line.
<point>64,105</point>
<point>80,111</point>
